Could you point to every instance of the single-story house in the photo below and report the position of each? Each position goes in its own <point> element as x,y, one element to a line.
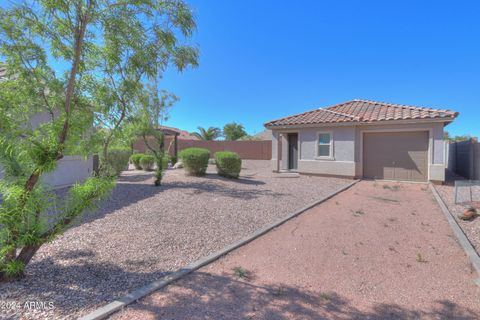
<point>172,135</point>
<point>363,139</point>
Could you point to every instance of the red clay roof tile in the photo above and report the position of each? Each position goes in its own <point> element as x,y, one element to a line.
<point>363,111</point>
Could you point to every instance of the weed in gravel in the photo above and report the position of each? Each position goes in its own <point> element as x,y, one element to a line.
<point>325,296</point>
<point>240,272</point>
<point>280,291</point>
<point>420,258</point>
<point>391,248</point>
<point>358,213</point>
<point>345,253</point>
<point>392,219</point>
<point>337,203</point>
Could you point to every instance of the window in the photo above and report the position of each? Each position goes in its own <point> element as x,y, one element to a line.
<point>324,148</point>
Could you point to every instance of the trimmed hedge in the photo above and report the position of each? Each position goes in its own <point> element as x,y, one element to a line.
<point>228,164</point>
<point>147,162</point>
<point>135,159</point>
<point>117,161</point>
<point>195,160</point>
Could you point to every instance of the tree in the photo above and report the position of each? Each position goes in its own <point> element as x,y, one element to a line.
<point>212,133</point>
<point>156,104</point>
<point>446,136</point>
<point>99,42</point>
<point>233,131</point>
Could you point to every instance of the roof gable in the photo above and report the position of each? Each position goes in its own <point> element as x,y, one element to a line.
<point>363,111</point>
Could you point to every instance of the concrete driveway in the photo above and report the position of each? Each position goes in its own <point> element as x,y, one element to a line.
<point>376,251</point>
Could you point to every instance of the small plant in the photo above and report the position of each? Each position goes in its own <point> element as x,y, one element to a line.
<point>240,272</point>
<point>358,213</point>
<point>195,160</point>
<point>420,258</point>
<point>279,291</point>
<point>135,159</point>
<point>325,296</point>
<point>228,164</point>
<point>13,269</point>
<point>147,162</point>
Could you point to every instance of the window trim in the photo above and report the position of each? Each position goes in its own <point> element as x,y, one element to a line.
<point>317,144</point>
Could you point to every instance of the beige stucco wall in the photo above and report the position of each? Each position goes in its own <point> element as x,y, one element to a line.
<point>347,148</point>
<point>70,169</point>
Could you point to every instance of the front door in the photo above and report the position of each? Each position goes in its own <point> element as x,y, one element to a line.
<point>292,151</point>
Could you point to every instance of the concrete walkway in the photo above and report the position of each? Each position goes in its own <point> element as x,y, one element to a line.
<point>376,251</point>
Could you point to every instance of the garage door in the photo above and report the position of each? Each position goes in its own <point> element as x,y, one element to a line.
<point>396,155</point>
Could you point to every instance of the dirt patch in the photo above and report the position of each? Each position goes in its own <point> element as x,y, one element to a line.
<point>392,262</point>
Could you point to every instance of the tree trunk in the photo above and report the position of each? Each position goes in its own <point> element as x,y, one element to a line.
<point>27,253</point>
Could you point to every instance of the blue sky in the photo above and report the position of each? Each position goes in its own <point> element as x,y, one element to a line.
<point>262,60</point>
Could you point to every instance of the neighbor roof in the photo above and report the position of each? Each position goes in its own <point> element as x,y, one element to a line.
<point>363,111</point>
<point>181,134</point>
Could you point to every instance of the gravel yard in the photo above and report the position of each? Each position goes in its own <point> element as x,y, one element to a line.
<point>379,250</point>
<point>143,232</point>
<point>470,228</point>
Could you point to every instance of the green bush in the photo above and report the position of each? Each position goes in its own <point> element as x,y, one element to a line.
<point>228,164</point>
<point>135,159</point>
<point>173,159</point>
<point>147,162</point>
<point>117,161</point>
<point>195,160</point>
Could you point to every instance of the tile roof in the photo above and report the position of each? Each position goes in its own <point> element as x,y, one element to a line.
<point>363,111</point>
<point>181,134</point>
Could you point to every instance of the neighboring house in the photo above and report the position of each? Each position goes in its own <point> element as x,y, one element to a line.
<point>362,138</point>
<point>263,135</point>
<point>172,135</point>
<point>70,169</point>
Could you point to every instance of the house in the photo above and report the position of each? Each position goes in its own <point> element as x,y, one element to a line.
<point>172,135</point>
<point>363,139</point>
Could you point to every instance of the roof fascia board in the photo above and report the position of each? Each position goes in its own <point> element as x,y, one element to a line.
<point>360,123</point>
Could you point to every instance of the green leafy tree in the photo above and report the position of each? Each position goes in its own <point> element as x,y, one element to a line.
<point>98,43</point>
<point>234,131</point>
<point>155,107</point>
<point>446,136</point>
<point>212,133</point>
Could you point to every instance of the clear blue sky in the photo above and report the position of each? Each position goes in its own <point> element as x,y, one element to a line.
<point>262,60</point>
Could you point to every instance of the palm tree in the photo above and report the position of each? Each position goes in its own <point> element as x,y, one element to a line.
<point>211,133</point>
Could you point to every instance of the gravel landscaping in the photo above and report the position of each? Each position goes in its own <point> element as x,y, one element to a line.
<point>379,250</point>
<point>143,232</point>
<point>470,228</point>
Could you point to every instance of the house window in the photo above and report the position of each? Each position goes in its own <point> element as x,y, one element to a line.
<point>324,149</point>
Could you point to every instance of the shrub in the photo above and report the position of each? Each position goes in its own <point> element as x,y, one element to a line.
<point>135,159</point>
<point>117,161</point>
<point>173,159</point>
<point>228,164</point>
<point>195,160</point>
<point>147,162</point>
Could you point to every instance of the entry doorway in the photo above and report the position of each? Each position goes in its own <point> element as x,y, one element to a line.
<point>292,151</point>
